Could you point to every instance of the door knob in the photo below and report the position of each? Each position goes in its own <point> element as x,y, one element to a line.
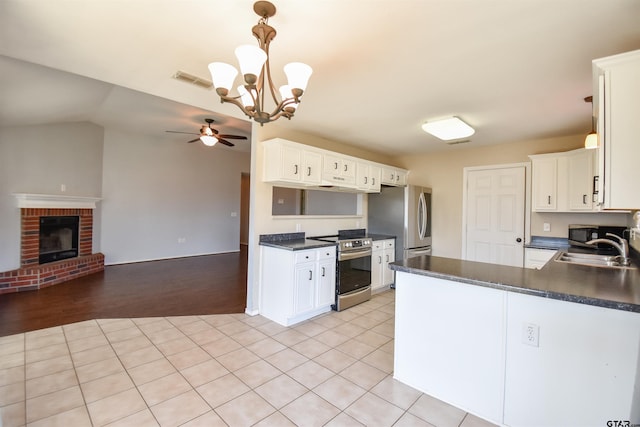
<point>518,240</point>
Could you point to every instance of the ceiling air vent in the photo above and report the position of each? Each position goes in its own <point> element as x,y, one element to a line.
<point>464,141</point>
<point>194,80</point>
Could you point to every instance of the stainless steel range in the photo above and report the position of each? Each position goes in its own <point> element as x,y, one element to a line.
<point>353,271</point>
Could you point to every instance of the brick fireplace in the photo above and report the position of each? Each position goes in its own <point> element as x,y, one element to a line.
<point>33,275</point>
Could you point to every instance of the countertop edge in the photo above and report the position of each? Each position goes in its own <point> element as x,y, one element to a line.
<point>518,288</point>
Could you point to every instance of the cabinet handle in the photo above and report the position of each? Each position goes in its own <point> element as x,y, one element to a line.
<point>323,272</point>
<point>397,177</point>
<point>387,258</point>
<point>365,179</point>
<point>310,275</point>
<point>584,199</point>
<point>379,259</point>
<point>549,200</point>
<point>336,165</point>
<point>392,177</point>
<point>296,171</point>
<point>345,168</point>
<point>373,181</point>
<point>308,170</point>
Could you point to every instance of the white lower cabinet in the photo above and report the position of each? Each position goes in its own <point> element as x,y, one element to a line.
<point>470,346</point>
<point>383,252</point>
<point>536,257</point>
<point>297,285</point>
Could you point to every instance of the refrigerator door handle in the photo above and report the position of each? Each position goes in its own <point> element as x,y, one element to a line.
<point>422,216</point>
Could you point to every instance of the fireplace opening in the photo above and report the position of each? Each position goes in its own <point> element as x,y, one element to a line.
<point>58,238</point>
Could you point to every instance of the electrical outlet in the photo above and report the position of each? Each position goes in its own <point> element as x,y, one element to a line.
<point>546,226</point>
<point>530,334</point>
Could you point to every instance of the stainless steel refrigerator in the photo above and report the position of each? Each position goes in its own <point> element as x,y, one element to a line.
<point>404,212</point>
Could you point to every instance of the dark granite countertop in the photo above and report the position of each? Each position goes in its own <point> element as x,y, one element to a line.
<point>291,241</point>
<point>541,242</point>
<point>374,236</point>
<point>610,288</point>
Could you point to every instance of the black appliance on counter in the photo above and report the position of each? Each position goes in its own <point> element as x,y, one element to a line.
<point>353,271</point>
<point>579,235</point>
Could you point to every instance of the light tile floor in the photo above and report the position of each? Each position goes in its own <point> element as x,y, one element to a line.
<point>216,370</point>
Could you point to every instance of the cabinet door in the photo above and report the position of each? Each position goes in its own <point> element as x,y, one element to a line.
<point>389,256</point>
<point>545,179</point>
<point>375,175</point>
<point>581,180</point>
<point>304,289</point>
<point>619,140</point>
<point>389,176</point>
<point>362,176</point>
<point>377,264</point>
<point>312,163</point>
<point>326,283</point>
<point>291,164</point>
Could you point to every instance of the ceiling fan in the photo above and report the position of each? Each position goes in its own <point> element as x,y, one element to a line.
<point>209,136</point>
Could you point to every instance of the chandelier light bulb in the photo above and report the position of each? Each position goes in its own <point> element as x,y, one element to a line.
<point>245,97</point>
<point>298,75</point>
<point>285,93</point>
<point>222,76</point>
<point>251,59</point>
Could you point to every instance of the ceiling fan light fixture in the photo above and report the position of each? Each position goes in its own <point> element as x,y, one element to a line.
<point>209,141</point>
<point>448,129</point>
<point>254,66</point>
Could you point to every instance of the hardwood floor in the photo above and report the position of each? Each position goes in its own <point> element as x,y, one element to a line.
<point>209,284</point>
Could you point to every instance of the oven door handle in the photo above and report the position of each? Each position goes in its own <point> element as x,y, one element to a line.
<point>345,256</point>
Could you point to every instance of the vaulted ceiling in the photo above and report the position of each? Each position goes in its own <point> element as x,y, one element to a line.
<point>514,70</point>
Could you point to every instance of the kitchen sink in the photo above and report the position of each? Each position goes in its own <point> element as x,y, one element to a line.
<point>594,260</point>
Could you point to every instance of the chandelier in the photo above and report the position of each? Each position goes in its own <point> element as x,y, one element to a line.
<point>254,65</point>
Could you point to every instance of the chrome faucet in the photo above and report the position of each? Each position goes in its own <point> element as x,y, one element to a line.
<point>622,246</point>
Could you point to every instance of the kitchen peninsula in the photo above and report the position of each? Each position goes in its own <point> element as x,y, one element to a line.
<point>520,347</point>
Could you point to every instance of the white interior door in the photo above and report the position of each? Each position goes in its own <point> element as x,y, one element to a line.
<point>495,218</point>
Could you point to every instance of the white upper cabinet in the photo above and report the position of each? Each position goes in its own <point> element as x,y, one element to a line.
<point>291,163</point>
<point>581,173</point>
<point>617,106</point>
<point>545,183</point>
<point>563,182</point>
<point>339,169</point>
<point>368,177</point>
<point>394,176</point>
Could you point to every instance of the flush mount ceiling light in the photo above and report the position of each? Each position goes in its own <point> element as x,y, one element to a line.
<point>448,129</point>
<point>254,64</point>
<point>591,141</point>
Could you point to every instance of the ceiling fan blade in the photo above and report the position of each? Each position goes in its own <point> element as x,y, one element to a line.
<point>222,141</point>
<point>232,136</point>
<point>193,140</point>
<point>186,133</point>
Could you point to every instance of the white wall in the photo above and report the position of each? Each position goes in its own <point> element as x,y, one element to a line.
<point>443,171</point>
<point>157,191</point>
<point>154,191</point>
<point>39,159</point>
